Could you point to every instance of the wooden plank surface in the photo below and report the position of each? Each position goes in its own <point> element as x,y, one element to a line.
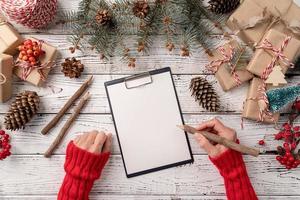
<point>28,175</point>
<point>201,178</point>
<point>31,141</point>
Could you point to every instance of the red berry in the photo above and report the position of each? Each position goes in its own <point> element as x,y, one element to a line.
<point>25,58</point>
<point>286,145</point>
<point>2,132</point>
<point>293,145</point>
<point>31,59</point>
<point>278,136</point>
<point>29,52</point>
<point>291,159</point>
<point>261,142</point>
<point>28,41</point>
<point>36,53</point>
<point>297,105</point>
<point>279,158</point>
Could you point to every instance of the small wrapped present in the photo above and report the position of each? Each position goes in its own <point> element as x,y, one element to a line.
<point>287,14</point>
<point>224,64</point>
<point>254,104</point>
<point>9,38</point>
<point>250,21</point>
<point>6,68</point>
<point>255,17</point>
<point>35,69</point>
<point>276,48</point>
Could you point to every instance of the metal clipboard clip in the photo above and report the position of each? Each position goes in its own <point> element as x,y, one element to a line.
<point>141,79</point>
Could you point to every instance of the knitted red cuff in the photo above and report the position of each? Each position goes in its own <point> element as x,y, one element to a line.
<point>83,164</point>
<point>230,164</point>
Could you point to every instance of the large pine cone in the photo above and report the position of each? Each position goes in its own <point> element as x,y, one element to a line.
<point>72,67</point>
<point>22,110</point>
<point>223,6</point>
<point>103,17</point>
<point>205,94</point>
<point>141,8</point>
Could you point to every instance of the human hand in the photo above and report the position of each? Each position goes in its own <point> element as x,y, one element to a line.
<point>216,127</point>
<point>94,142</point>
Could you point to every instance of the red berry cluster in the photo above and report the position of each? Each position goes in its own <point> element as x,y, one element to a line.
<point>288,156</point>
<point>4,145</point>
<point>30,51</point>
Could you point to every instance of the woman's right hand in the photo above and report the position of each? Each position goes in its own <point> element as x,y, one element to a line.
<point>216,127</point>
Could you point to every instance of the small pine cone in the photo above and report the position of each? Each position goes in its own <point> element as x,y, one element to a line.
<point>205,94</point>
<point>141,8</point>
<point>72,67</point>
<point>103,17</point>
<point>22,110</point>
<point>223,6</point>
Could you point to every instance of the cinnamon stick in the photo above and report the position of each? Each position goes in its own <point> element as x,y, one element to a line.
<point>67,125</point>
<point>67,105</point>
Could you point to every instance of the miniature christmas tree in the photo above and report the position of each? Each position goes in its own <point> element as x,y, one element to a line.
<point>276,77</point>
<point>279,98</point>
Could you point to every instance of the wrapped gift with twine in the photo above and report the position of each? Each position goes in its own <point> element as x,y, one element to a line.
<point>37,73</point>
<point>276,48</point>
<point>254,105</point>
<point>287,14</point>
<point>224,63</point>
<point>6,67</point>
<point>255,17</point>
<point>9,38</point>
<point>250,21</point>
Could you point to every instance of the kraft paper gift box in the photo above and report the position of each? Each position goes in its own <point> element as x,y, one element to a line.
<point>262,57</point>
<point>37,76</point>
<point>287,11</point>
<point>254,18</point>
<point>6,68</point>
<point>10,39</point>
<point>224,73</point>
<point>251,108</point>
<point>250,21</point>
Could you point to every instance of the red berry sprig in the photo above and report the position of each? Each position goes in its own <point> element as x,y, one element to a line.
<point>288,156</point>
<point>30,51</point>
<point>4,145</point>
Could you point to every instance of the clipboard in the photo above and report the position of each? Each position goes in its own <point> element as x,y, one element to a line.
<point>145,111</point>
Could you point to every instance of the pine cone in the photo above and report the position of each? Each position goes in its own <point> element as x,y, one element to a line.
<point>223,6</point>
<point>72,67</point>
<point>22,110</point>
<point>205,94</point>
<point>103,17</point>
<point>141,8</point>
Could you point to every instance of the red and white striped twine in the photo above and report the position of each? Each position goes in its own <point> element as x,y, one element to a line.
<point>227,58</point>
<point>30,13</point>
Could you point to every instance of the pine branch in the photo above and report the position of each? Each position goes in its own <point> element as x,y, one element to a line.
<point>148,27</point>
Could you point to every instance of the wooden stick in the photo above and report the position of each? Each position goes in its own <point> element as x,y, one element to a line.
<point>67,105</point>
<point>67,125</point>
<point>221,140</point>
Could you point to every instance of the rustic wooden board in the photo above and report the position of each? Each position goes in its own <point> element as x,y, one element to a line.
<point>231,101</point>
<point>26,175</point>
<point>31,141</point>
<point>148,197</point>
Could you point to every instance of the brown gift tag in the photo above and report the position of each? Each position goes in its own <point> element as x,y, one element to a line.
<point>10,39</point>
<point>48,58</point>
<point>251,108</point>
<point>262,58</point>
<point>6,67</point>
<point>249,22</point>
<point>223,73</point>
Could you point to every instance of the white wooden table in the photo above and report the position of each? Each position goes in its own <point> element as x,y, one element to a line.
<point>28,175</point>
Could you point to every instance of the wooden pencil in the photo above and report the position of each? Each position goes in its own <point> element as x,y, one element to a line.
<point>221,140</point>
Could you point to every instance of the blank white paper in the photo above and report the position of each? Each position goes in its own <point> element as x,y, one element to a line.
<point>146,119</point>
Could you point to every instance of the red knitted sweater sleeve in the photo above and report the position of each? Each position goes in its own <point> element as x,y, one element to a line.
<point>237,183</point>
<point>82,169</point>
